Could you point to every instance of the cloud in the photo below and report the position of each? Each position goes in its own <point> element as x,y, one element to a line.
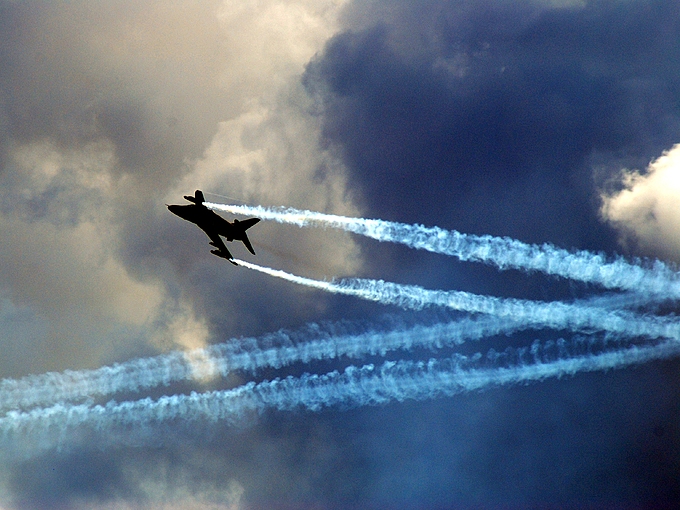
<point>56,257</point>
<point>93,120</point>
<point>485,115</point>
<point>108,112</point>
<point>271,156</point>
<point>646,210</point>
<point>270,153</point>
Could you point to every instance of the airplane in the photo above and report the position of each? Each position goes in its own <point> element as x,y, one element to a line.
<point>214,225</point>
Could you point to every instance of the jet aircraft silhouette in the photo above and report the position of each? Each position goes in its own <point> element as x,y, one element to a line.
<point>214,226</point>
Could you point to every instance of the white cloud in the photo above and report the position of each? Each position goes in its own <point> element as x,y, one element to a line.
<point>647,209</point>
<point>121,106</point>
<point>269,153</point>
<point>61,272</point>
<point>270,156</point>
<point>268,42</point>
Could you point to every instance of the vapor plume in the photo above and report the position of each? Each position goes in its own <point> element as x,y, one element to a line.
<point>504,253</point>
<point>45,407</point>
<point>250,355</point>
<point>554,314</point>
<point>355,386</point>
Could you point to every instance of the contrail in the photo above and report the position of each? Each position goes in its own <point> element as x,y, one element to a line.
<point>251,354</point>
<point>38,406</point>
<point>659,281</point>
<point>274,350</point>
<point>532,314</point>
<point>356,386</point>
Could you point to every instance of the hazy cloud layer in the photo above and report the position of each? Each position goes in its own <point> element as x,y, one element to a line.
<point>503,117</point>
<point>109,111</point>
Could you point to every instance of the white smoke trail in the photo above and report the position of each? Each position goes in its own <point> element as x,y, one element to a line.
<point>239,354</point>
<point>249,355</point>
<point>393,381</point>
<point>366,385</point>
<point>275,350</point>
<point>658,281</point>
<point>532,314</point>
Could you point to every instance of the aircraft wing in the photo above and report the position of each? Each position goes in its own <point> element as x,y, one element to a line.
<point>221,251</point>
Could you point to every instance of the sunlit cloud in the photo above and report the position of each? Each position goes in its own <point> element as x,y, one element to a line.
<point>646,210</point>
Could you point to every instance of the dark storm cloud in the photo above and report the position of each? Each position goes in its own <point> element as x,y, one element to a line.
<point>280,461</point>
<point>581,441</point>
<point>508,118</point>
<point>485,116</point>
<point>92,475</point>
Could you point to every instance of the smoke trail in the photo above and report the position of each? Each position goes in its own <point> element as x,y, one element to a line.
<point>532,314</point>
<point>393,381</point>
<point>248,354</point>
<point>274,350</point>
<point>358,386</point>
<point>502,252</point>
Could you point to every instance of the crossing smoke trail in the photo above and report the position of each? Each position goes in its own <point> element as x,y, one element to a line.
<point>274,350</point>
<point>554,315</point>
<point>239,354</point>
<point>356,386</point>
<point>658,282</point>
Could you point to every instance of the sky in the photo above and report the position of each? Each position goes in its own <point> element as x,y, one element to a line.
<point>545,121</point>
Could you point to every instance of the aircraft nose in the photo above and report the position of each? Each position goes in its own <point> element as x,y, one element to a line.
<point>174,209</point>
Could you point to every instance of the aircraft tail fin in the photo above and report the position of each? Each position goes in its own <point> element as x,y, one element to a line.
<point>243,226</point>
<point>246,241</point>
<point>197,198</point>
<point>246,224</point>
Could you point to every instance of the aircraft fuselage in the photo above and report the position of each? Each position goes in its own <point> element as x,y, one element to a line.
<point>207,220</point>
<point>214,225</point>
